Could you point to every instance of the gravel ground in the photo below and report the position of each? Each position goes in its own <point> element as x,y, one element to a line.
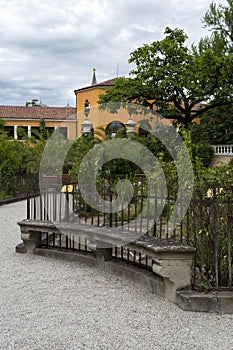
<point>53,304</point>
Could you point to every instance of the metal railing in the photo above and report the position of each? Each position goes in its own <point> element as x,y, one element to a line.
<point>18,187</point>
<point>207,225</point>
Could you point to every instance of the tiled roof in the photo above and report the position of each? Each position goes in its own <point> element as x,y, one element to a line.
<point>37,113</point>
<point>198,106</point>
<point>103,84</point>
<point>109,82</point>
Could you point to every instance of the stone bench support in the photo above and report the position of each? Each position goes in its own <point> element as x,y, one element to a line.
<point>171,260</point>
<point>31,239</point>
<point>176,271</point>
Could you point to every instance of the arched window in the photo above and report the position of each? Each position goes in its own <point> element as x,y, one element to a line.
<point>114,126</point>
<point>144,128</point>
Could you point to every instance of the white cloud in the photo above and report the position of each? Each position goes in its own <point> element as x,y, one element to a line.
<point>48,48</point>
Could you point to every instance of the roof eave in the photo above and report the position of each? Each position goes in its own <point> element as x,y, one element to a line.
<point>93,87</point>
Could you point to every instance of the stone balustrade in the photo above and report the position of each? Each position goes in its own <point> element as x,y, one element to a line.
<point>223,150</point>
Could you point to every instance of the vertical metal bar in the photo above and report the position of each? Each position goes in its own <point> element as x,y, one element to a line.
<point>187,227</point>
<point>155,213</point>
<point>122,217</point>
<point>215,238</point>
<point>128,216</point>
<point>148,212</point>
<point>194,229</point>
<point>104,214</point>
<point>78,204</point>
<point>116,217</point>
<point>54,206</point>
<point>48,204</point>
<point>59,206</point>
<point>85,244</point>
<point>44,210</point>
<point>135,205</point>
<point>110,215</point>
<point>73,200</point>
<point>67,205</point>
<point>202,228</point>
<point>229,242</point>
<point>181,213</point>
<point>41,210</point>
<point>28,206</point>
<point>31,208</point>
<point>67,242</point>
<point>70,242</point>
<point>35,209</point>
<point>86,206</point>
<point>141,207</point>
<point>92,216</point>
<point>161,217</point>
<point>168,213</point>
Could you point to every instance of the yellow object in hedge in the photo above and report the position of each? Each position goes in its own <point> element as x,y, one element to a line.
<point>67,188</point>
<point>210,192</point>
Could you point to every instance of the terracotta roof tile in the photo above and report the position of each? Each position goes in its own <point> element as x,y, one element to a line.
<point>37,113</point>
<point>109,82</point>
<point>103,84</point>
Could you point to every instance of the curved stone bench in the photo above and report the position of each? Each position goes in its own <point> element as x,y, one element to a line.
<point>172,261</point>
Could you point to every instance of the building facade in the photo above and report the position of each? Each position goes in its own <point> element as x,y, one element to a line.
<point>72,122</point>
<point>28,119</point>
<point>91,117</point>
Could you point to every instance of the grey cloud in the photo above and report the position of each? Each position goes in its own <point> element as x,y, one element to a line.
<point>49,48</point>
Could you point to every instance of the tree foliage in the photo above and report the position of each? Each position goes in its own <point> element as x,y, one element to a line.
<point>177,79</point>
<point>11,156</point>
<point>220,21</point>
<point>215,127</point>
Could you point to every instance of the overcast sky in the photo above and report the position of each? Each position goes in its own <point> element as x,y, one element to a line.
<point>48,48</point>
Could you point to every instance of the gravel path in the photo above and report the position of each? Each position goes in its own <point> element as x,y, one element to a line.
<point>53,304</point>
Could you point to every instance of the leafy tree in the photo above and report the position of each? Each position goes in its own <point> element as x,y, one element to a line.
<point>54,155</point>
<point>220,21</point>
<point>176,79</point>
<point>78,150</point>
<point>33,151</point>
<point>42,130</point>
<point>2,125</point>
<point>21,132</point>
<point>215,127</point>
<point>11,156</point>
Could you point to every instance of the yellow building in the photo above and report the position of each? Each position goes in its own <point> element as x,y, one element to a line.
<point>72,122</point>
<point>29,118</point>
<point>90,116</point>
<point>87,105</point>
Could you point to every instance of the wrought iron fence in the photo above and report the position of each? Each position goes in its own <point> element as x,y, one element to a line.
<point>207,225</point>
<point>210,231</point>
<point>18,186</point>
